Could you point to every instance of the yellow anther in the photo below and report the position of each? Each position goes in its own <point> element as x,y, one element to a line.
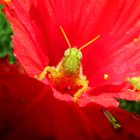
<point>135,39</point>
<point>7,1</point>
<point>106,76</point>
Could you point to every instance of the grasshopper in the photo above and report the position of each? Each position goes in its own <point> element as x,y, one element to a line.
<point>69,68</point>
<point>112,119</point>
<point>135,82</point>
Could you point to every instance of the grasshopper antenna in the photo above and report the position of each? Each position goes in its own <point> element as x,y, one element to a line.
<point>89,42</point>
<point>65,36</point>
<point>83,46</point>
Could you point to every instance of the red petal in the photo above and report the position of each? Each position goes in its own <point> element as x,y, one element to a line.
<point>12,69</point>
<point>27,39</point>
<point>49,15</point>
<point>130,122</point>
<point>100,123</point>
<point>28,110</point>
<point>107,95</point>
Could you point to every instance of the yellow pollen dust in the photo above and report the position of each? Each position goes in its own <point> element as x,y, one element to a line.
<point>7,1</point>
<point>106,76</point>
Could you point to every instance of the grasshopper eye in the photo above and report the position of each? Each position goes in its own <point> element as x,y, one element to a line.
<point>67,52</point>
<point>79,55</point>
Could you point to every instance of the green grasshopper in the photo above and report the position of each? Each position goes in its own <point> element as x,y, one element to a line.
<point>112,119</point>
<point>135,82</point>
<point>69,68</point>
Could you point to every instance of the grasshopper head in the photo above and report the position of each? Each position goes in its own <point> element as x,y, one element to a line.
<point>73,52</point>
<point>72,56</point>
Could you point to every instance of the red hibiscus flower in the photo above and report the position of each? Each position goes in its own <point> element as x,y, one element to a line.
<point>33,109</point>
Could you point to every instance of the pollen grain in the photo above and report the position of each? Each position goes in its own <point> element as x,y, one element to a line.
<point>106,76</point>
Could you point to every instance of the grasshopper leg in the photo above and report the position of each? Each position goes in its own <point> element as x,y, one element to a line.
<point>46,70</point>
<point>81,82</point>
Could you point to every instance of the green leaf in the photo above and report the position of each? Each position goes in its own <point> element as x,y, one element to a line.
<point>130,106</point>
<point>6,46</point>
<point>11,59</point>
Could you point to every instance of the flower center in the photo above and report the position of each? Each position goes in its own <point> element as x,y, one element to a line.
<point>67,76</point>
<point>74,84</point>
